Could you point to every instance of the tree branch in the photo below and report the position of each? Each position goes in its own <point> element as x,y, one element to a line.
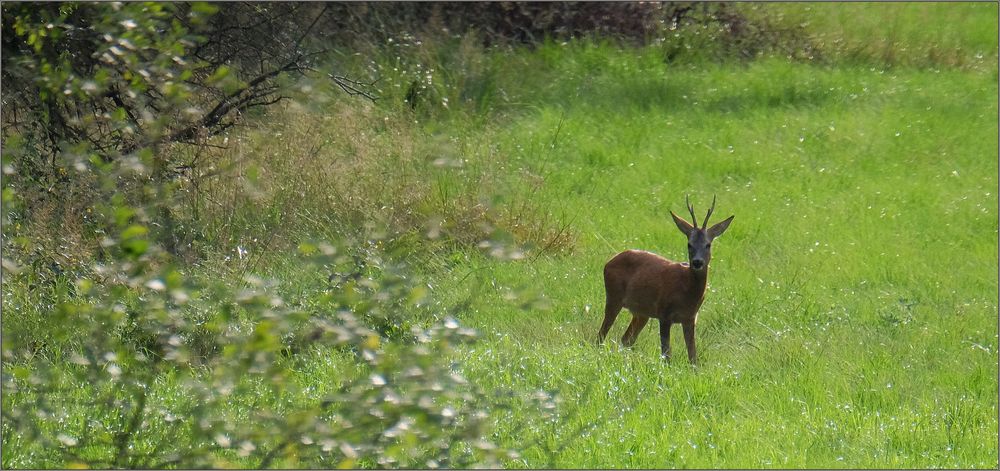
<point>353,87</point>
<point>233,102</point>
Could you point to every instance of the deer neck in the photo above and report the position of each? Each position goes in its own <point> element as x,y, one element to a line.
<point>699,279</point>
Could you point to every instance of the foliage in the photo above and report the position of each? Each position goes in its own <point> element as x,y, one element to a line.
<point>121,77</point>
<point>504,22</point>
<point>167,371</point>
<point>87,84</point>
<point>118,357</point>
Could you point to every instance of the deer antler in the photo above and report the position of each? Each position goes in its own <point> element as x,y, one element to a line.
<point>709,212</point>
<point>694,220</point>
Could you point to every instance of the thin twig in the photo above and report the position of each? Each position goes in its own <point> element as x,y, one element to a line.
<point>353,87</point>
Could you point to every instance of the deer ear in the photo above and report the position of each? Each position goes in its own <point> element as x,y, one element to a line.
<point>718,229</point>
<point>683,225</point>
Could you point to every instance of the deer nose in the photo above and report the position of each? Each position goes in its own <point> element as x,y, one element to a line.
<point>697,264</point>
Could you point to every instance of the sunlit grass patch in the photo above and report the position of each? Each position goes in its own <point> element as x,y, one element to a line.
<point>844,308</point>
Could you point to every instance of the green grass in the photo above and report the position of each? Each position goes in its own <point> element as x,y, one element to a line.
<point>906,33</point>
<point>851,315</point>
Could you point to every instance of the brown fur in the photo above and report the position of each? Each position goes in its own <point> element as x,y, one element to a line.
<point>652,287</point>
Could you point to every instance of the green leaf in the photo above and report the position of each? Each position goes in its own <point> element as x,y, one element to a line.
<point>204,8</point>
<point>173,279</point>
<point>306,248</point>
<point>146,156</point>
<point>101,76</point>
<point>123,214</point>
<point>135,247</point>
<point>20,372</point>
<point>133,231</point>
<point>220,73</point>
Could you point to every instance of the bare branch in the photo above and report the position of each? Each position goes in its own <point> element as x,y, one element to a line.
<point>235,101</point>
<point>298,42</point>
<point>354,87</point>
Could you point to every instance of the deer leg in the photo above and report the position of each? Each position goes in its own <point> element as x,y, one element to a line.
<point>638,323</point>
<point>611,310</point>
<point>689,340</point>
<point>665,339</point>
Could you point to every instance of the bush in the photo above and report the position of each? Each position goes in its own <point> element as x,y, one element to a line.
<point>86,85</point>
<point>116,356</point>
<point>139,365</point>
<point>504,22</point>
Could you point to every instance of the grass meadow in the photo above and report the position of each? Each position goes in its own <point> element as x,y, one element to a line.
<point>851,315</point>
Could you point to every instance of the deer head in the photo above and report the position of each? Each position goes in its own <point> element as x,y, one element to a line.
<point>700,239</point>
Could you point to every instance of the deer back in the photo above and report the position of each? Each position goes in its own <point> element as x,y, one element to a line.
<point>653,286</point>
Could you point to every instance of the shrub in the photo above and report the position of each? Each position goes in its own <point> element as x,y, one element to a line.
<point>142,366</point>
<point>117,356</point>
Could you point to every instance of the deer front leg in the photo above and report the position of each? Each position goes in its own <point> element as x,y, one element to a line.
<point>689,340</point>
<point>665,339</point>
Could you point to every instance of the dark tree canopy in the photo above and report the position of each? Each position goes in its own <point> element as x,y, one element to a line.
<point>119,77</point>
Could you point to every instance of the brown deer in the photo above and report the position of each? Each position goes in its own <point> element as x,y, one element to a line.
<point>651,286</point>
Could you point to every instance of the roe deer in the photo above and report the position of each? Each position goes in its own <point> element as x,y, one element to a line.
<point>651,286</point>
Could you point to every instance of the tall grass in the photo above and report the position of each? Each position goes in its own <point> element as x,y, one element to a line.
<point>338,171</point>
<point>920,34</point>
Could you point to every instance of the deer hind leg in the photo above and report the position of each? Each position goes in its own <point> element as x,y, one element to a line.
<point>611,310</point>
<point>638,323</point>
<point>614,294</point>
